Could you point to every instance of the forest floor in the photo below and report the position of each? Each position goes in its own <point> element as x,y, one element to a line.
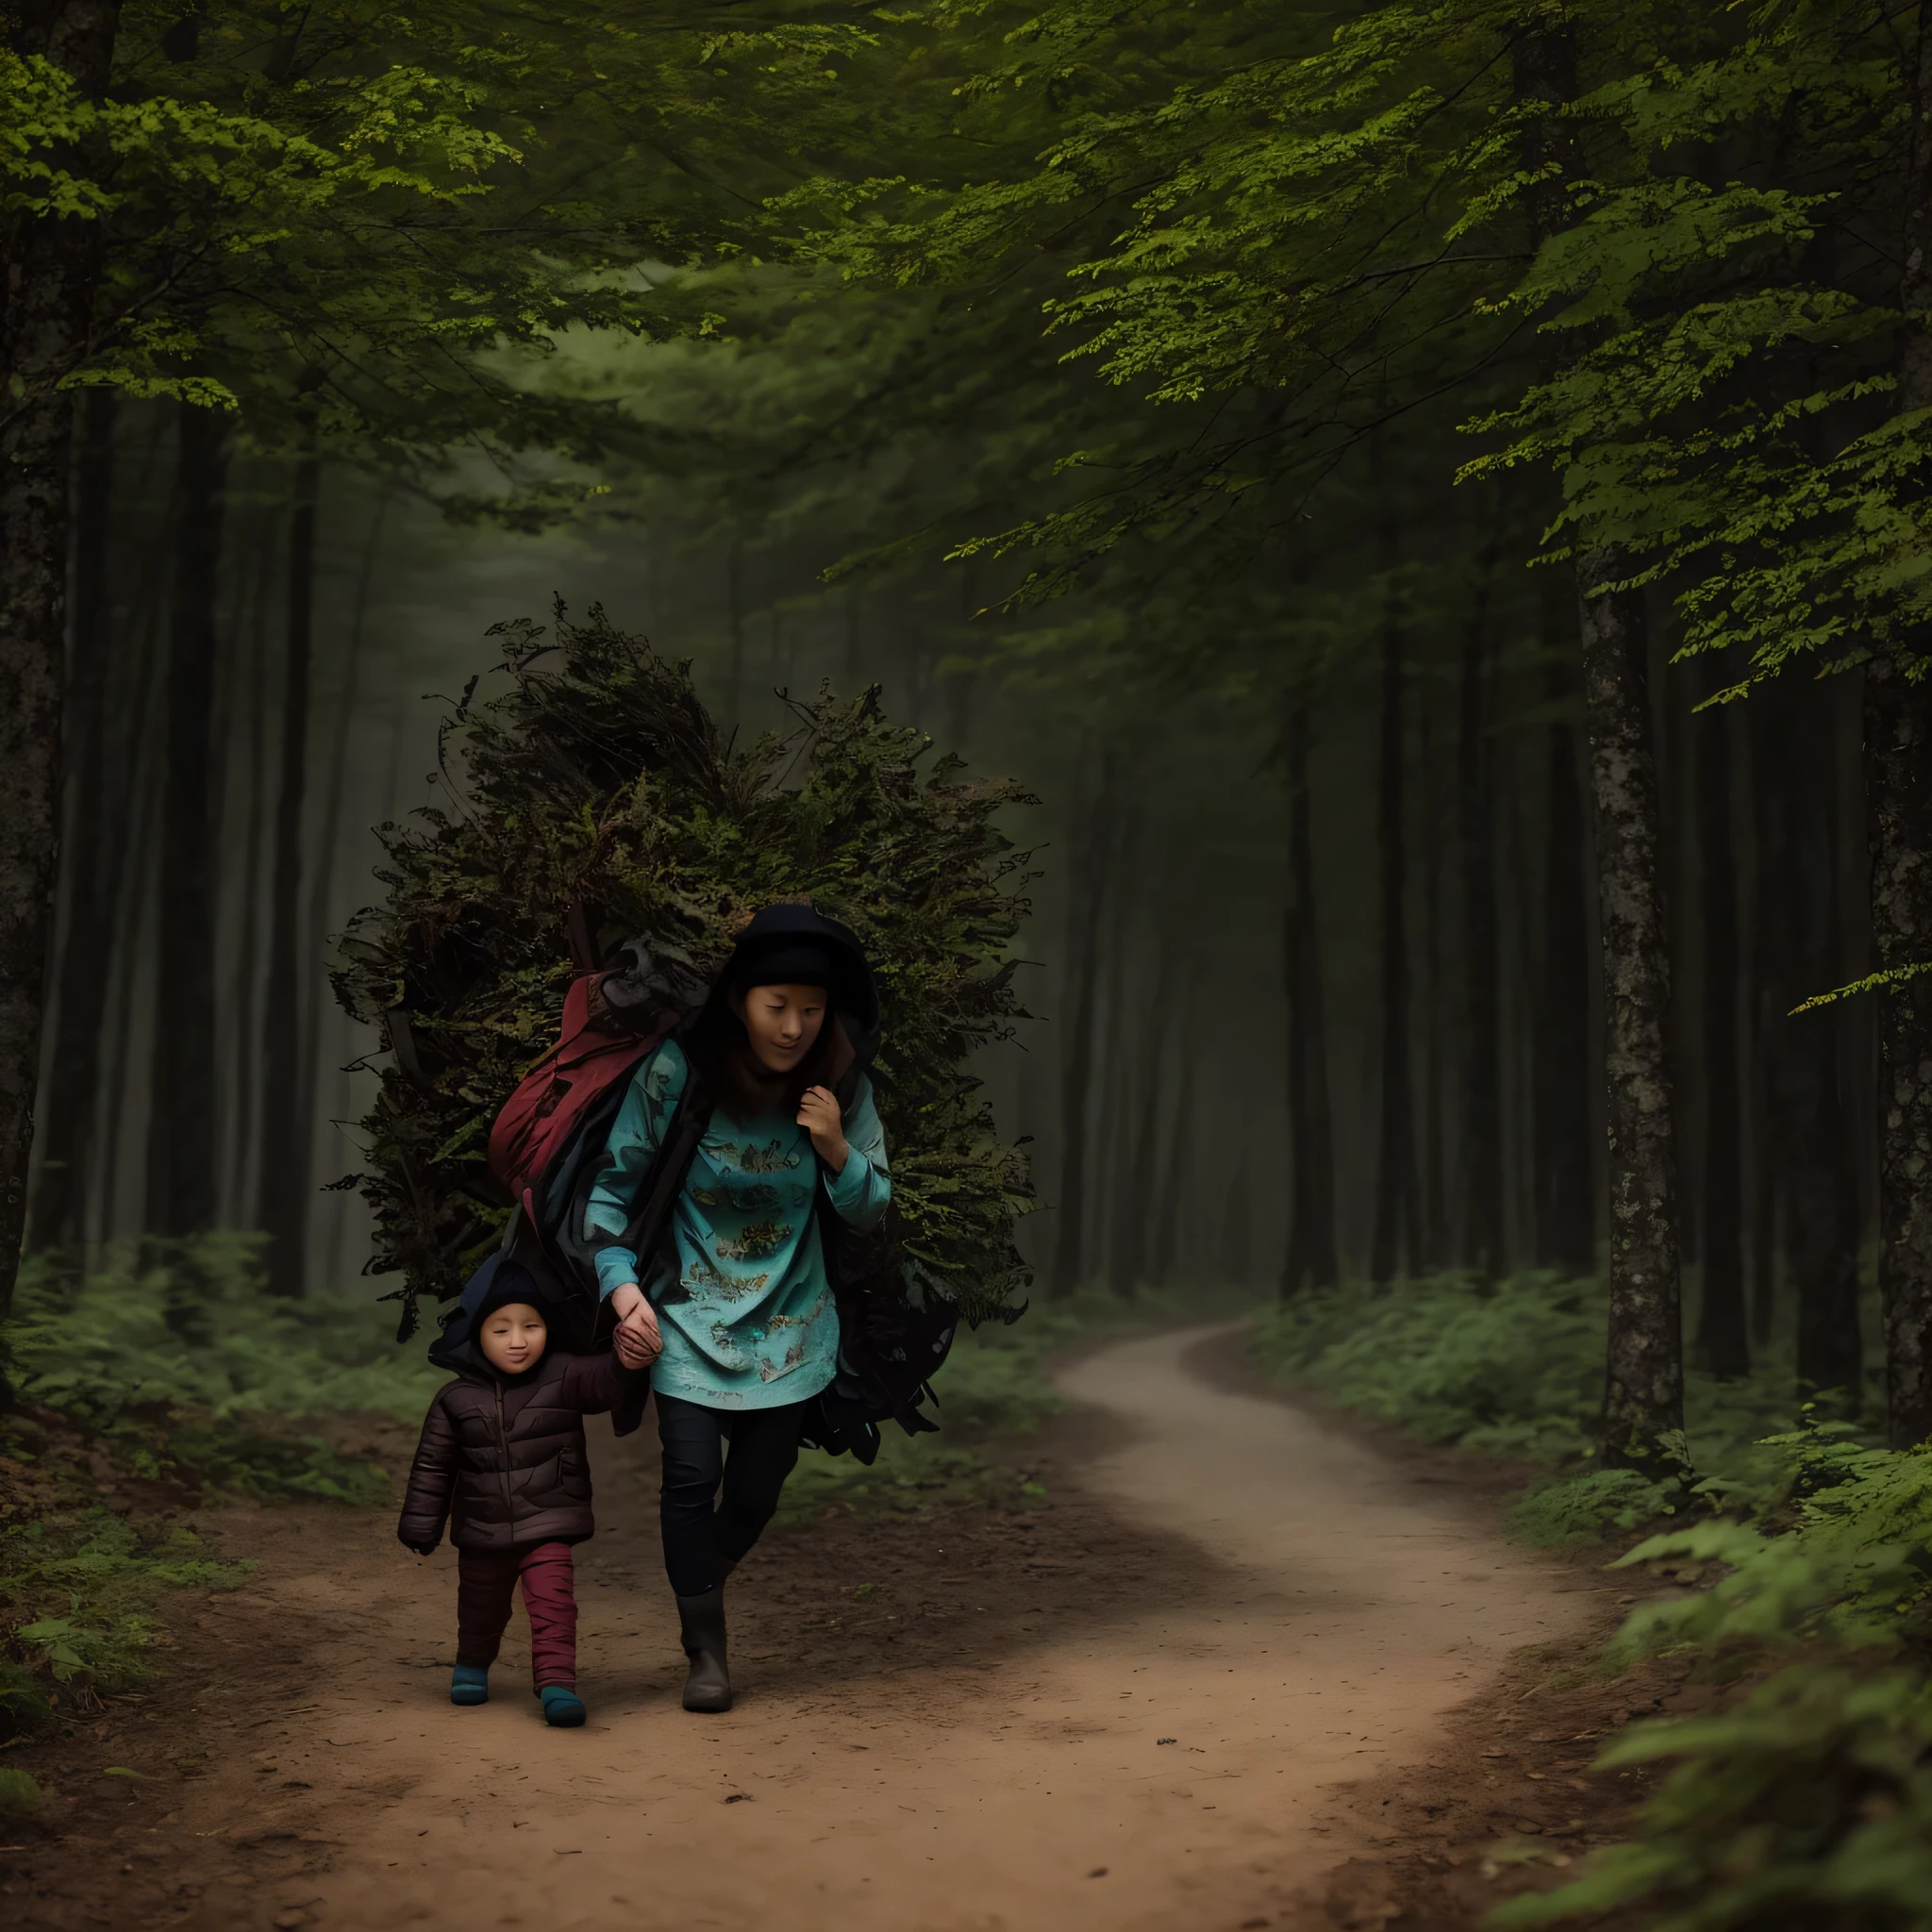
<point>969,1718</point>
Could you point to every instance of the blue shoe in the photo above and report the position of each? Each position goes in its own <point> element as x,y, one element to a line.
<point>561,1707</point>
<point>470,1684</point>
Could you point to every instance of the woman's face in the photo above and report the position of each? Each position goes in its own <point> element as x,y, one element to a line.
<point>781,1022</point>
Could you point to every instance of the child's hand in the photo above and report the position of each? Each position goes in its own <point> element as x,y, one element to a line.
<point>819,1115</point>
<point>634,1349</point>
<point>636,1341</point>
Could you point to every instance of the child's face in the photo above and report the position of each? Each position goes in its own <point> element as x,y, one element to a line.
<point>513,1338</point>
<point>782,1022</point>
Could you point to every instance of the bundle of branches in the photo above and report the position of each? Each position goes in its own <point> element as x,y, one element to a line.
<point>595,802</point>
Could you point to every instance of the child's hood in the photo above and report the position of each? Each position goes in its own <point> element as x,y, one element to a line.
<point>498,1282</point>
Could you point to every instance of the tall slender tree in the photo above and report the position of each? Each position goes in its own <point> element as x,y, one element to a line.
<point>87,940</point>
<point>1086,898</point>
<point>1310,1260</point>
<point>181,1158</point>
<point>1722,1326</point>
<point>1565,1175</point>
<point>286,1097</point>
<point>52,256</point>
<point>1398,1183</point>
<point>1898,780</point>
<point>1482,1078</point>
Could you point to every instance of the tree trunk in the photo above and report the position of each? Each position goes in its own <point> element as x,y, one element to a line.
<point>285,1138</point>
<point>1310,1261</point>
<point>46,298</point>
<point>1822,1199</point>
<point>1644,1385</point>
<point>1898,742</point>
<point>1084,907</point>
<point>1236,1248</point>
<point>1898,756</point>
<point>1398,1185</point>
<point>1143,1045</point>
<point>1564,1177</point>
<point>1770,1150</point>
<point>1432,1149</point>
<point>1482,1084</point>
<point>245,974</point>
<point>181,1137</point>
<point>87,946</point>
<point>1643,1381</point>
<point>1167,1220</point>
<point>1723,1344</point>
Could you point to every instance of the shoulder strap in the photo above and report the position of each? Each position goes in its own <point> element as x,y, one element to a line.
<point>652,1217</point>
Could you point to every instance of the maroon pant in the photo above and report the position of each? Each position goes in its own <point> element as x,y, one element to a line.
<point>487,1579</point>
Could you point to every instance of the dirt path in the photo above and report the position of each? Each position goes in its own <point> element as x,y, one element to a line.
<point>1128,1713</point>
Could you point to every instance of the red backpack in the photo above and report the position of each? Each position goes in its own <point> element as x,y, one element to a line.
<point>548,1143</point>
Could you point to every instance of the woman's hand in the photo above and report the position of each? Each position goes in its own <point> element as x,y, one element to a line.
<point>819,1115</point>
<point>638,1341</point>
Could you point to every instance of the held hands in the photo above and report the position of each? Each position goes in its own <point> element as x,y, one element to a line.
<point>638,1341</point>
<point>820,1116</point>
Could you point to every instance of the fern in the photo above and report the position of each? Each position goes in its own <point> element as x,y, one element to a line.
<point>1808,1806</point>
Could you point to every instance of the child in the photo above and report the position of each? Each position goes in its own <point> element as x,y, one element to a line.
<point>749,1330</point>
<point>502,1460</point>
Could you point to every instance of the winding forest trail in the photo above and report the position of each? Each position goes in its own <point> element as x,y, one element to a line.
<point>1060,1749</point>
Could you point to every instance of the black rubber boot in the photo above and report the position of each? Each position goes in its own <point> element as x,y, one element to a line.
<point>708,1686</point>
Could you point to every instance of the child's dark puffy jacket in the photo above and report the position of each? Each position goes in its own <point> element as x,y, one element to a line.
<point>502,1460</point>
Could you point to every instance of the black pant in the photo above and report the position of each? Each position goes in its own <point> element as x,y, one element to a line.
<point>699,1526</point>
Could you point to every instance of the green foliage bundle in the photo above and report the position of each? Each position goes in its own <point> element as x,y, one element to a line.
<point>598,781</point>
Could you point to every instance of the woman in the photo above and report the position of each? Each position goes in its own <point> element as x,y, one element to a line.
<point>738,1295</point>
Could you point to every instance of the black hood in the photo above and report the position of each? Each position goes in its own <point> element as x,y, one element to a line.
<point>499,1280</point>
<point>854,995</point>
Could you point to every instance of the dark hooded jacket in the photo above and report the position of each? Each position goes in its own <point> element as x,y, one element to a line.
<point>501,1458</point>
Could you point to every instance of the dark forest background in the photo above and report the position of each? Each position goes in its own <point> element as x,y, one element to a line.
<point>224,757</point>
<point>1428,496</point>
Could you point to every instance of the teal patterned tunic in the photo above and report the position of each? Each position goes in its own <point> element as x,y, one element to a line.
<point>746,1310</point>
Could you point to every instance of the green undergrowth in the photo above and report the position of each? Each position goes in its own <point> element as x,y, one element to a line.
<point>80,1596</point>
<point>159,1381</point>
<point>1805,1799</point>
<point>1515,1367</point>
<point>184,1370</point>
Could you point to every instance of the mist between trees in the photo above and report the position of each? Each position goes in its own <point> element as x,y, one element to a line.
<point>1164,410</point>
